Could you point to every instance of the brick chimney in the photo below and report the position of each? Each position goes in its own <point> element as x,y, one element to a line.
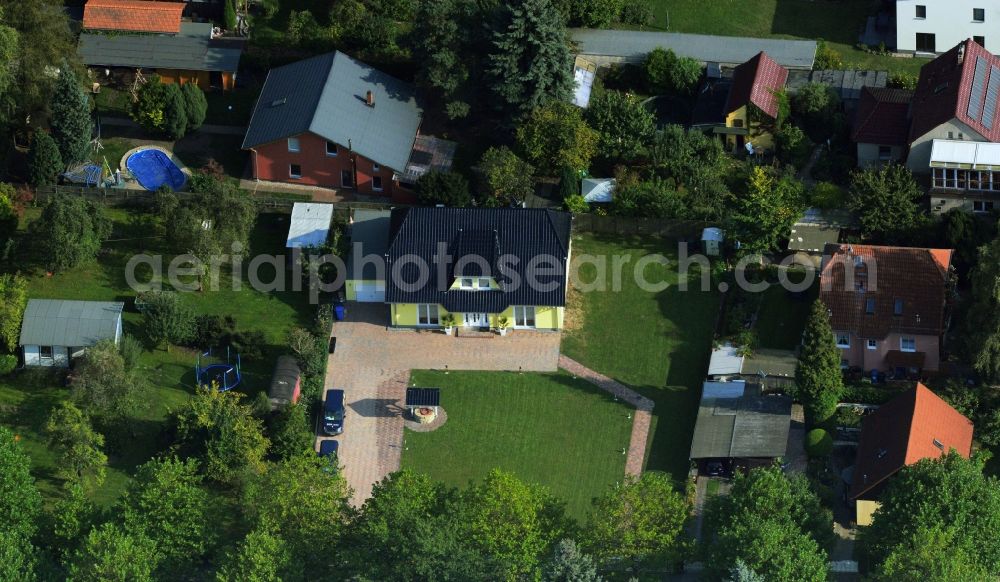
<point>370,99</point>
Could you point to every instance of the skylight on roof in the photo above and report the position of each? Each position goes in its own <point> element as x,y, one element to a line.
<point>279,102</point>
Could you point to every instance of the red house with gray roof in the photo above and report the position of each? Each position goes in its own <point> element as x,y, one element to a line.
<point>915,425</point>
<point>752,105</point>
<point>888,306</point>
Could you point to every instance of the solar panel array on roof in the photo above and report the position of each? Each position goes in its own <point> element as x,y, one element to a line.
<point>978,84</point>
<point>990,107</point>
<point>423,397</point>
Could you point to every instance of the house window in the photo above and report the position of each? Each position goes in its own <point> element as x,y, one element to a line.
<point>737,123</point>
<point>980,40</point>
<point>979,15</point>
<point>884,153</point>
<point>466,284</point>
<point>897,307</point>
<point>921,11</point>
<point>907,344</point>
<point>45,352</point>
<point>982,206</point>
<point>294,171</point>
<point>484,283</point>
<point>524,316</point>
<point>293,144</point>
<point>870,305</point>
<point>376,167</point>
<point>843,340</point>
<point>346,179</point>
<point>872,344</point>
<point>377,183</point>
<point>926,42</point>
<point>427,314</point>
<point>331,149</point>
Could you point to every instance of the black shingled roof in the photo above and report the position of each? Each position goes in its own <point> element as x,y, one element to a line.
<point>505,239</point>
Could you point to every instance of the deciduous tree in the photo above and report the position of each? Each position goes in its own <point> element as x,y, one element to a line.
<point>290,432</point>
<point>555,136</point>
<point>771,523</point>
<point>506,179</point>
<point>69,232</point>
<point>818,379</point>
<point>441,50</point>
<point>106,389</point>
<point>20,504</point>
<point>763,216</point>
<point>624,124</point>
<point>109,554</point>
<point>78,445</point>
<point>530,64</point>
<point>71,123</point>
<point>639,521</point>
<point>262,556</point>
<point>668,73</point>
<point>222,432</point>
<point>947,501</point>
<point>448,188</point>
<point>13,300</point>
<point>167,505</point>
<point>167,318</point>
<point>886,199</point>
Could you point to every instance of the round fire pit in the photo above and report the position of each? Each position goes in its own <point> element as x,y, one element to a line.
<point>425,415</point>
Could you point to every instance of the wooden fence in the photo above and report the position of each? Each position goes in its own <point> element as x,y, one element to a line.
<point>626,225</point>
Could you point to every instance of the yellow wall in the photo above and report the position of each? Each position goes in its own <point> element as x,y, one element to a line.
<point>405,314</point>
<point>759,137</point>
<point>200,78</point>
<point>349,292</point>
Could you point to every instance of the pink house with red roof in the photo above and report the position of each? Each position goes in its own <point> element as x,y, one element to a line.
<point>752,106</point>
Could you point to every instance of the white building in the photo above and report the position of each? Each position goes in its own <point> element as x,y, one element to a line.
<point>933,26</point>
<point>309,226</point>
<point>54,331</point>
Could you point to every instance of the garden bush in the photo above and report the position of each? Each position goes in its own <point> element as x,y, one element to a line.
<point>8,363</point>
<point>819,443</point>
<point>576,204</point>
<point>827,195</point>
<point>868,394</point>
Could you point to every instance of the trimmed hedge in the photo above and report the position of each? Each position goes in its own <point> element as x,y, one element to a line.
<point>819,443</point>
<point>868,394</point>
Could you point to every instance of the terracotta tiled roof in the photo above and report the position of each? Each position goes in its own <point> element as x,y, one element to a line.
<point>756,81</point>
<point>133,16</point>
<point>882,116</point>
<point>915,425</point>
<point>908,286</point>
<point>945,91</point>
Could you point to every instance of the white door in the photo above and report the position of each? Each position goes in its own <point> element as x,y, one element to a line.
<point>476,319</point>
<point>370,292</point>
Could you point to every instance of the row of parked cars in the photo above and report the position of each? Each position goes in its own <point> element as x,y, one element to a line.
<point>332,423</point>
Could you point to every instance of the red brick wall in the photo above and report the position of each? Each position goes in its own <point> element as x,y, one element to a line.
<point>271,162</point>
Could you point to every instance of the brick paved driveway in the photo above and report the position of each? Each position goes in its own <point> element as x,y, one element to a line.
<point>372,364</point>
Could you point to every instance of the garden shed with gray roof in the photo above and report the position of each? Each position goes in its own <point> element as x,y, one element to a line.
<point>56,331</point>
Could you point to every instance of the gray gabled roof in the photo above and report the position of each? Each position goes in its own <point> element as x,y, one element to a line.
<point>186,51</point>
<point>369,236</point>
<point>54,322</point>
<point>326,95</point>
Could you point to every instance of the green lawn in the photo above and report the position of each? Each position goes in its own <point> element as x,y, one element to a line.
<point>782,316</point>
<point>26,399</point>
<point>551,429</point>
<point>837,21</point>
<point>656,342</point>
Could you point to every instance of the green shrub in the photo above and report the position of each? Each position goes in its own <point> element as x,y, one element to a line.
<point>903,80</point>
<point>448,188</point>
<point>44,161</point>
<point>869,394</point>
<point>819,443</point>
<point>195,105</point>
<point>636,12</point>
<point>827,58</point>
<point>666,72</point>
<point>8,363</point>
<point>793,147</point>
<point>827,195</point>
<point>576,204</point>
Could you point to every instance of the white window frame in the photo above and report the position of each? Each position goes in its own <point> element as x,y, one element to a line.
<point>483,283</point>
<point>916,12</point>
<point>466,283</point>
<point>902,345</point>
<point>983,206</point>
<point>872,344</point>
<point>838,336</point>
<point>41,352</point>
<point>428,315</point>
<point>978,20</point>
<point>525,317</point>
<point>293,145</point>
<point>292,174</point>
<point>336,149</point>
<point>377,188</point>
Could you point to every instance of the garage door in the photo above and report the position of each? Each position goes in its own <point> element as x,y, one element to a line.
<point>370,292</point>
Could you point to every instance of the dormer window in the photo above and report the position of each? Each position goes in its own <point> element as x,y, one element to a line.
<point>467,283</point>
<point>474,283</point>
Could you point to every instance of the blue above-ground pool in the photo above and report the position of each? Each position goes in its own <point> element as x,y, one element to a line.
<point>153,168</point>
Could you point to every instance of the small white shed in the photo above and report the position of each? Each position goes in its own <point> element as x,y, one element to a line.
<point>54,331</point>
<point>600,190</point>
<point>711,241</point>
<point>310,225</point>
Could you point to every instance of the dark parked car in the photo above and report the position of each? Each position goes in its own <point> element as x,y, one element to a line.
<point>714,468</point>
<point>333,413</point>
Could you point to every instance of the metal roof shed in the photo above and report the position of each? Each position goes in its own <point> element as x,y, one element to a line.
<point>286,382</point>
<point>54,322</point>
<point>309,226</point>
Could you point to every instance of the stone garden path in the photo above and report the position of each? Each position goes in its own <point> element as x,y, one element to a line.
<point>643,410</point>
